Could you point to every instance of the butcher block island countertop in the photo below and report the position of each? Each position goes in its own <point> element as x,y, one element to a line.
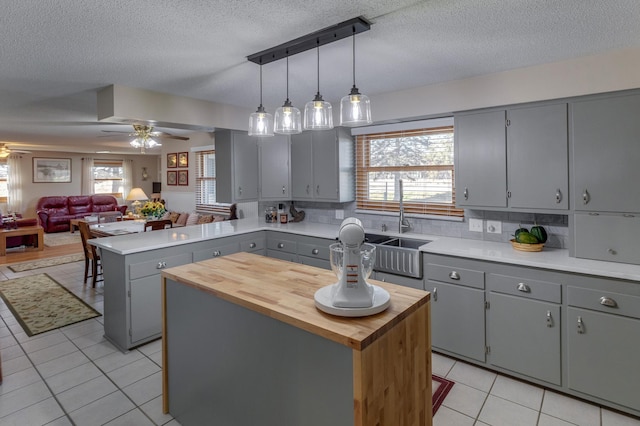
<point>372,370</point>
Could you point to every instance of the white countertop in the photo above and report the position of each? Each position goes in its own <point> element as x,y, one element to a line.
<point>549,258</point>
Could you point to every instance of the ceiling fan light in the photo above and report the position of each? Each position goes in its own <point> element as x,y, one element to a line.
<point>318,114</point>
<point>288,120</point>
<point>355,109</point>
<point>260,123</point>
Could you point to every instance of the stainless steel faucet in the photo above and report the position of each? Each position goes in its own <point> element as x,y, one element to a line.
<point>403,224</point>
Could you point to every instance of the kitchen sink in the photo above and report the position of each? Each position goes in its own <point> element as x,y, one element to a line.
<point>397,255</point>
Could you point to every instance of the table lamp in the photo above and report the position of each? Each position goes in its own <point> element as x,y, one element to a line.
<point>136,195</point>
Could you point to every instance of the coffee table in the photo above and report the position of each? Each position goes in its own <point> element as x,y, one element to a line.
<point>25,230</point>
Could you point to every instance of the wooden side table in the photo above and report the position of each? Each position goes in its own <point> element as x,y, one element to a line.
<point>25,230</point>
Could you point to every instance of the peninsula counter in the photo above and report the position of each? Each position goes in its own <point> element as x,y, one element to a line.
<point>243,343</point>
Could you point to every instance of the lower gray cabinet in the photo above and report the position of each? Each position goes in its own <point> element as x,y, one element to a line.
<point>399,279</point>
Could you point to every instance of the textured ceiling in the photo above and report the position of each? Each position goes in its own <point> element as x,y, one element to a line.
<point>55,55</point>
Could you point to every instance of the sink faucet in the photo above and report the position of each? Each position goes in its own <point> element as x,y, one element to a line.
<point>403,224</point>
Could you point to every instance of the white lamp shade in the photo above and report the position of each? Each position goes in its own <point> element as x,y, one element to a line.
<point>288,120</point>
<point>318,115</point>
<point>355,110</point>
<point>137,194</point>
<point>260,123</point>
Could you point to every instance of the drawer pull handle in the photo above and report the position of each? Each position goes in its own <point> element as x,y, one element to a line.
<point>280,245</point>
<point>435,294</point>
<point>612,252</point>
<point>217,253</point>
<point>580,326</point>
<point>558,195</point>
<point>607,301</point>
<point>252,245</point>
<point>549,319</point>
<point>523,288</point>
<point>454,275</point>
<point>315,251</point>
<point>161,265</point>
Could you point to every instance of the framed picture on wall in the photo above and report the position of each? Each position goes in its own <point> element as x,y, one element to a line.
<point>172,178</point>
<point>172,160</point>
<point>183,159</point>
<point>51,170</point>
<point>183,177</point>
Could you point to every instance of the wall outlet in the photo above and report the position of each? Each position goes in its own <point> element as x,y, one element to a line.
<point>494,227</point>
<point>475,225</point>
<point>339,214</point>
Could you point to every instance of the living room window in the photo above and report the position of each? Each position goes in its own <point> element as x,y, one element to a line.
<point>108,176</point>
<point>422,158</point>
<point>206,181</point>
<point>4,174</point>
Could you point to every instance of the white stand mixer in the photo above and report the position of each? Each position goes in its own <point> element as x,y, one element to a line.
<point>352,260</point>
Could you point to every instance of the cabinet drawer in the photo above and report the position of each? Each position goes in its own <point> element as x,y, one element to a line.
<point>289,257</point>
<point>604,301</point>
<point>215,251</point>
<point>144,269</point>
<point>281,244</point>
<point>607,237</point>
<point>530,289</point>
<point>252,245</point>
<point>314,250</point>
<point>454,275</point>
<point>400,280</point>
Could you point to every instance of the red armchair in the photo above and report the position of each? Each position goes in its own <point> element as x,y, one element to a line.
<point>55,212</point>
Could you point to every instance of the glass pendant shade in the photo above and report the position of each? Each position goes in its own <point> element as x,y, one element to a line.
<point>355,109</point>
<point>318,114</point>
<point>288,120</point>
<point>260,123</point>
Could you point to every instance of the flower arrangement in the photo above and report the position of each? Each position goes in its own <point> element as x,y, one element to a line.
<point>153,208</point>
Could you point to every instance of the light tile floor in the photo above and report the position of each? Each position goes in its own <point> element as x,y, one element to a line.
<point>74,376</point>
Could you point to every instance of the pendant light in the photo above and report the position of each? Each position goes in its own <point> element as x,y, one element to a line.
<point>287,117</point>
<point>261,122</point>
<point>355,108</point>
<point>317,113</point>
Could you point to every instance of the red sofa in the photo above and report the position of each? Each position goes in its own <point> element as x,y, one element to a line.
<point>54,213</point>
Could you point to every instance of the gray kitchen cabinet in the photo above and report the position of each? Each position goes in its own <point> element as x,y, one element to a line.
<point>322,166</point>
<point>217,251</point>
<point>481,159</point>
<point>603,335</point>
<point>537,157</point>
<point>236,166</point>
<point>275,172</point>
<point>523,325</point>
<point>399,279</point>
<point>457,305</point>
<point>606,236</point>
<point>281,246</point>
<point>604,139</point>
<point>314,251</point>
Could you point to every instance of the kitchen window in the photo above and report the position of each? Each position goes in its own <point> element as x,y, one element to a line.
<point>206,181</point>
<point>422,158</point>
<point>108,177</point>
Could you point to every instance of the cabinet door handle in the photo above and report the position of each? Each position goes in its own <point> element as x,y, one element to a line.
<point>523,288</point>
<point>435,294</point>
<point>161,265</point>
<point>240,190</point>
<point>283,189</point>
<point>586,197</point>
<point>217,253</point>
<point>580,326</point>
<point>252,245</point>
<point>280,245</point>
<point>558,195</point>
<point>318,189</point>
<point>308,189</point>
<point>549,319</point>
<point>454,275</point>
<point>466,193</point>
<point>315,251</point>
<point>609,302</point>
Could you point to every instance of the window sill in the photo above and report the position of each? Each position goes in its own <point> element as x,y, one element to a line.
<point>411,215</point>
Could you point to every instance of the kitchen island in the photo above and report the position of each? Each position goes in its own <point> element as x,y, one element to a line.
<point>244,344</point>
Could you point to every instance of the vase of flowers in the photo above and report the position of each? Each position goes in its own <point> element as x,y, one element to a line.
<point>153,210</point>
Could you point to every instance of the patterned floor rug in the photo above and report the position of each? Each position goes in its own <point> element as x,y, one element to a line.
<point>40,304</point>
<point>61,238</point>
<point>440,389</point>
<point>43,263</point>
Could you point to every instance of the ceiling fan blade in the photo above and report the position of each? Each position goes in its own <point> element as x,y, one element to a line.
<point>116,131</point>
<point>167,136</point>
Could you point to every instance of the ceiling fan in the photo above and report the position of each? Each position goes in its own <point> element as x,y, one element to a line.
<point>145,137</point>
<point>5,151</point>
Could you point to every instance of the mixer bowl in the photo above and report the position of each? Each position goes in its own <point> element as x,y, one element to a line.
<point>367,259</point>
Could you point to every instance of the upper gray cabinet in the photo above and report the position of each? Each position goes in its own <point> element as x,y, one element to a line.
<point>275,173</point>
<point>322,166</point>
<point>537,152</point>
<point>481,162</point>
<point>515,158</point>
<point>236,166</point>
<point>605,138</point>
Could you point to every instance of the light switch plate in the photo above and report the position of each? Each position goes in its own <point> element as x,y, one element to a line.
<point>494,227</point>
<point>339,214</point>
<point>475,225</point>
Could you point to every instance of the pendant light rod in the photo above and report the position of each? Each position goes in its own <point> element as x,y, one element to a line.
<point>354,57</point>
<point>316,39</point>
<point>318,63</point>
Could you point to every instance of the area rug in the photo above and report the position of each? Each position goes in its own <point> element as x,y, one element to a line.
<point>61,238</point>
<point>440,387</point>
<point>43,263</point>
<point>40,304</point>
